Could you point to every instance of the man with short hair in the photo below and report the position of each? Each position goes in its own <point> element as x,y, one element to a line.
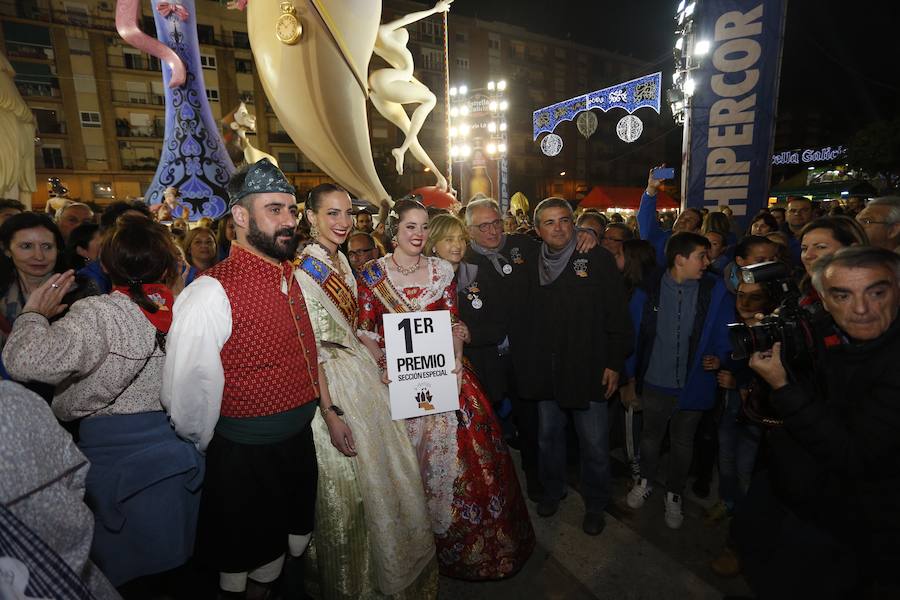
<point>71,216</point>
<point>10,207</point>
<point>364,221</point>
<point>823,521</point>
<point>493,282</point>
<point>681,319</point>
<point>241,381</point>
<point>578,339</point>
<point>881,220</point>
<point>690,219</point>
<point>799,213</point>
<point>779,214</point>
<point>361,249</point>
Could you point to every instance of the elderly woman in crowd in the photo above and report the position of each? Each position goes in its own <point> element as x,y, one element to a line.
<point>105,357</point>
<point>200,251</point>
<point>763,224</point>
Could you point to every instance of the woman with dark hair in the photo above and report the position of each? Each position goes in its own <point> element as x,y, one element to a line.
<point>32,247</point>
<point>823,237</point>
<point>83,246</point>
<point>106,356</point>
<point>478,516</point>
<point>763,224</point>
<point>372,531</point>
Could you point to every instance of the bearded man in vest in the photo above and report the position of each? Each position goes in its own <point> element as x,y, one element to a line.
<point>240,381</point>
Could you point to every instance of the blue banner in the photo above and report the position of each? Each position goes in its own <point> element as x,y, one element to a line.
<point>731,120</point>
<point>630,95</point>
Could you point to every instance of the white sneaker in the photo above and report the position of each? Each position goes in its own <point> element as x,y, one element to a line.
<point>639,493</point>
<point>674,517</point>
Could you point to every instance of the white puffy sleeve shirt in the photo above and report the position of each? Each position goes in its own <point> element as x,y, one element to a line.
<point>193,378</point>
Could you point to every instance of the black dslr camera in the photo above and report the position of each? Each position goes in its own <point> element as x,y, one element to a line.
<point>790,324</point>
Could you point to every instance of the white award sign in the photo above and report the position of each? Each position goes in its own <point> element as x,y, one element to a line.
<point>420,363</point>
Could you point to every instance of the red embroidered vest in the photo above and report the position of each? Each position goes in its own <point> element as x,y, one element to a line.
<point>270,359</point>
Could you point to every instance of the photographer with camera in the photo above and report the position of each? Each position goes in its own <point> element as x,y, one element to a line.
<point>824,521</point>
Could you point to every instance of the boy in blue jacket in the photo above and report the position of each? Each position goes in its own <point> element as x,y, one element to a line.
<point>681,319</point>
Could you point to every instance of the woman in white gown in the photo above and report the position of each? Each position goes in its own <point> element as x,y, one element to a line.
<point>372,534</point>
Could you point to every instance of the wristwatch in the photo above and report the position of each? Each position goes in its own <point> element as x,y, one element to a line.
<point>287,26</point>
<point>334,408</point>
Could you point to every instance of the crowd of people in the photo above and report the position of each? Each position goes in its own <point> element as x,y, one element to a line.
<point>213,399</point>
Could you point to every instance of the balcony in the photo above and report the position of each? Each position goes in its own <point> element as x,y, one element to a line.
<point>28,51</point>
<point>51,128</point>
<point>52,162</point>
<point>38,89</point>
<point>146,163</point>
<point>155,130</point>
<point>143,98</point>
<point>133,62</point>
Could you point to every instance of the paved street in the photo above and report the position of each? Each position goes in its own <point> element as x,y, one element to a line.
<point>635,558</point>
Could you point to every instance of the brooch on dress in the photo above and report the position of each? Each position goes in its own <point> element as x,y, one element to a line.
<point>472,295</point>
<point>516,256</point>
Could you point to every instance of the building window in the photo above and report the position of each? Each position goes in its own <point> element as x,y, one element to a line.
<point>461,37</point>
<point>432,59</point>
<point>493,42</point>
<point>90,119</point>
<point>208,62</point>
<point>241,39</point>
<point>243,65</point>
<point>206,34</point>
<point>52,158</point>
<point>560,53</point>
<point>212,94</point>
<point>462,63</point>
<point>103,189</point>
<point>246,97</point>
<point>517,49</point>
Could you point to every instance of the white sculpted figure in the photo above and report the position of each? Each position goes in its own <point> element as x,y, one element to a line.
<point>243,122</point>
<point>17,177</point>
<point>391,88</point>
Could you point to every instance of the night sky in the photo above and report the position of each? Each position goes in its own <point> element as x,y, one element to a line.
<point>839,65</point>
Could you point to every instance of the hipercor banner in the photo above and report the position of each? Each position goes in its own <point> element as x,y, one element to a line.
<point>732,111</point>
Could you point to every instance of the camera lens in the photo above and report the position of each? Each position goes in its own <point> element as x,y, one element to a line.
<point>741,338</point>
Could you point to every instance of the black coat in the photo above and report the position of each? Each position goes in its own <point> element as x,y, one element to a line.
<point>836,462</point>
<point>502,300</point>
<point>579,326</point>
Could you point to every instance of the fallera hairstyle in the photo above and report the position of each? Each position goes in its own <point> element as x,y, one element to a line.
<point>683,244</point>
<point>15,224</point>
<point>474,205</point>
<point>113,211</point>
<point>314,197</point>
<point>551,202</point>
<point>441,227</point>
<point>718,222</point>
<point>191,236</point>
<point>748,242</point>
<point>396,214</point>
<point>855,257</point>
<point>69,204</point>
<point>845,230</point>
<point>767,218</point>
<point>139,251</point>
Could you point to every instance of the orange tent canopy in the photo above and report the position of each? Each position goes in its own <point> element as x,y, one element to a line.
<point>606,197</point>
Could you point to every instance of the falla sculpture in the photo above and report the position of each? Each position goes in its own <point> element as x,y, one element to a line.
<point>312,57</point>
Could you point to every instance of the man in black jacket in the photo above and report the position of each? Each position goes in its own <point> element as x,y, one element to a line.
<point>832,528</point>
<point>575,349</point>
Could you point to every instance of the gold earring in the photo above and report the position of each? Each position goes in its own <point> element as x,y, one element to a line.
<point>313,232</point>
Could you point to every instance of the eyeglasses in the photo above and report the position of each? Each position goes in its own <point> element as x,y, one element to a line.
<point>486,227</point>
<point>865,222</point>
<point>361,251</point>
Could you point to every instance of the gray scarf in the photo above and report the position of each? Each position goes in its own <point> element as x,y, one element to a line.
<point>552,263</point>
<point>493,254</point>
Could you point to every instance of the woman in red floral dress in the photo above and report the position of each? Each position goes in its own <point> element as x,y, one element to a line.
<point>480,521</point>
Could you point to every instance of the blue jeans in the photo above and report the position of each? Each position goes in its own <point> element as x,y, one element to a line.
<point>592,426</point>
<point>738,443</point>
